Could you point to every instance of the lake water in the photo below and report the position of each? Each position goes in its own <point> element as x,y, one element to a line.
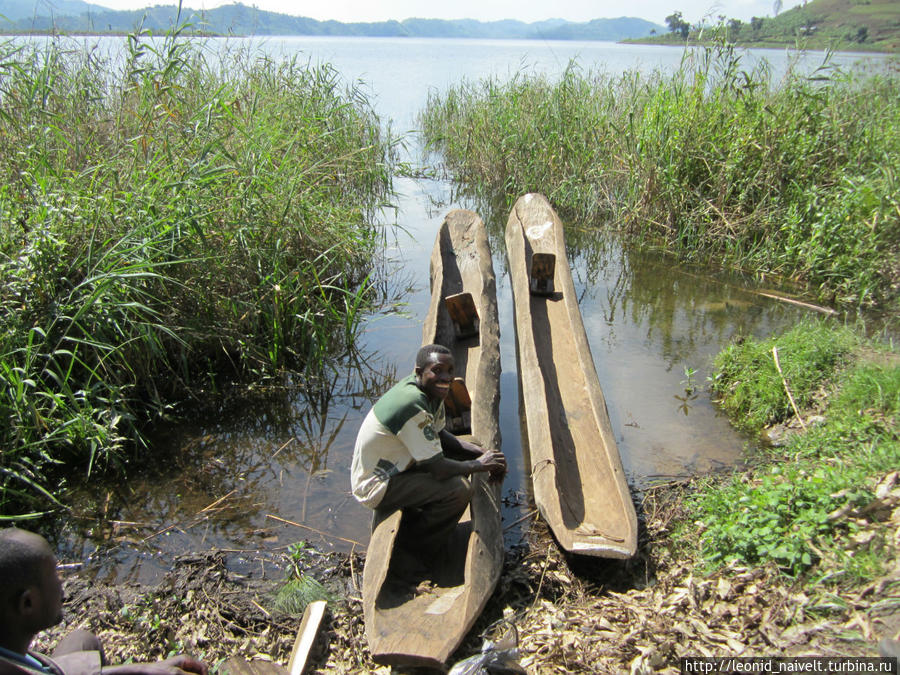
<point>267,471</point>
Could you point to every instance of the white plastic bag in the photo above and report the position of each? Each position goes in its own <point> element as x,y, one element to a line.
<point>501,658</point>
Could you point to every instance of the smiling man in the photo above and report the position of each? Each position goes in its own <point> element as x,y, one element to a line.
<point>405,458</point>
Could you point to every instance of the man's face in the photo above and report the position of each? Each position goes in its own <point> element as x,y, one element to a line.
<point>434,379</point>
<point>50,594</point>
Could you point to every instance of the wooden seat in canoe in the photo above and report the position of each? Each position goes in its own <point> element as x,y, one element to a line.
<point>459,407</point>
<point>461,308</point>
<point>543,268</point>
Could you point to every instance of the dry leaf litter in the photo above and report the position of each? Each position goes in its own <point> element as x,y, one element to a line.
<point>573,615</point>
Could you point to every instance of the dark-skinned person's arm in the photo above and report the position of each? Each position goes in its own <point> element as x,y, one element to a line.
<point>176,665</point>
<point>457,448</point>
<point>442,466</point>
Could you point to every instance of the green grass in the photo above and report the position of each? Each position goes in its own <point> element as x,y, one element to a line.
<point>804,502</point>
<point>715,163</point>
<point>294,595</point>
<point>750,386</point>
<point>851,25</point>
<point>168,222</point>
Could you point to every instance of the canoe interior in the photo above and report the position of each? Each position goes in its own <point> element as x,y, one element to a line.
<point>578,480</point>
<point>420,620</point>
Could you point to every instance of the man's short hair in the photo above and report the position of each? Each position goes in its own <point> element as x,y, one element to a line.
<point>423,357</point>
<point>21,555</point>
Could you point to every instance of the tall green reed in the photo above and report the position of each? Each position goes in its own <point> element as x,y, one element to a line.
<point>163,219</point>
<point>715,162</point>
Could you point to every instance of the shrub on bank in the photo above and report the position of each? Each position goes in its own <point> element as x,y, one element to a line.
<point>164,220</point>
<point>751,384</point>
<point>806,501</point>
<point>715,162</point>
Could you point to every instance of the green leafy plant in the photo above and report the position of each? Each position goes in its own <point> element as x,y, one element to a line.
<point>690,386</point>
<point>778,516</point>
<point>793,511</point>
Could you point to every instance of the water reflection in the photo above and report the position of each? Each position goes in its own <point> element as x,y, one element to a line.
<point>266,469</point>
<point>654,327</point>
<point>680,310</point>
<point>272,467</point>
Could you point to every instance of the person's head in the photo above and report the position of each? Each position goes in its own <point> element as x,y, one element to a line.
<point>31,593</point>
<point>434,371</point>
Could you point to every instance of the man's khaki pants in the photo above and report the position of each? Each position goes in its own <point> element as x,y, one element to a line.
<point>431,508</point>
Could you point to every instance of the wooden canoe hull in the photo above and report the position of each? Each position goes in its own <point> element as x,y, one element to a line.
<point>424,630</point>
<point>577,476</point>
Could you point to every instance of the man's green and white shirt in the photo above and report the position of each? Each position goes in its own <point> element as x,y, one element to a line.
<point>402,428</point>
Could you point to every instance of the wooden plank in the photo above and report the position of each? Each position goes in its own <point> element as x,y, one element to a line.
<point>543,269</point>
<point>238,666</point>
<point>410,627</point>
<point>461,308</point>
<point>579,484</point>
<point>306,636</point>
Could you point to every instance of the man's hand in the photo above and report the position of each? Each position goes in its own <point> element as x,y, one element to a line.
<point>187,663</point>
<point>176,665</point>
<point>494,462</point>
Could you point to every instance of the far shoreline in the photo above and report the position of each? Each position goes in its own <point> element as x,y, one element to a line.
<point>858,49</point>
<point>817,47</point>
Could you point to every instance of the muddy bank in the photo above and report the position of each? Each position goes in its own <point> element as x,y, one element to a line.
<point>572,614</point>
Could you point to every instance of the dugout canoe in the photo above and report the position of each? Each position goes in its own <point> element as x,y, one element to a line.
<point>406,626</point>
<point>576,472</point>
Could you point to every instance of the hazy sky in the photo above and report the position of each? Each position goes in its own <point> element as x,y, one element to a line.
<point>489,10</point>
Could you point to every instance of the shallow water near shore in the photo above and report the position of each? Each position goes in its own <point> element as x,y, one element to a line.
<point>272,467</point>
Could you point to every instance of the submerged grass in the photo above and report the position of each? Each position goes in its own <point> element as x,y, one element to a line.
<point>165,219</point>
<point>810,506</point>
<point>716,162</point>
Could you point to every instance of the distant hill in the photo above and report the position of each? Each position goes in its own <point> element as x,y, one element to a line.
<point>75,16</point>
<point>15,10</point>
<point>847,25</point>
